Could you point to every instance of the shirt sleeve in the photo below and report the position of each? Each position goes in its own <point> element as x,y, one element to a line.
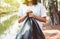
<point>20,11</point>
<point>43,11</point>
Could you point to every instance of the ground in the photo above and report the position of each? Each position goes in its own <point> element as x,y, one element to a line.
<point>52,32</point>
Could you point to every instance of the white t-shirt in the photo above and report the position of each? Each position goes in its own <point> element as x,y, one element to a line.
<point>38,10</point>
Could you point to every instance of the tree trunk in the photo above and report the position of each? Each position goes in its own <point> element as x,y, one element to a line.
<point>53,8</point>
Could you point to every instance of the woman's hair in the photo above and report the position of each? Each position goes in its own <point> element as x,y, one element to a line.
<point>34,2</point>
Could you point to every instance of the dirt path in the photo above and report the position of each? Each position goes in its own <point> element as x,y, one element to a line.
<point>52,32</point>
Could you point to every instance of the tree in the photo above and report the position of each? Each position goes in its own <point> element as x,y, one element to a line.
<point>53,10</point>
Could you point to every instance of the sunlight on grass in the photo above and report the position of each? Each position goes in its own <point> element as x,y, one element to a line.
<point>7,23</point>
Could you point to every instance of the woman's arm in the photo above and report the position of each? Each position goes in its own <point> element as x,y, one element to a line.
<point>21,18</point>
<point>41,19</point>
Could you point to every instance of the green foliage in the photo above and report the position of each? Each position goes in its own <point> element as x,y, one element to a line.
<point>7,23</point>
<point>13,6</point>
<point>6,10</point>
<point>12,2</point>
<point>59,4</point>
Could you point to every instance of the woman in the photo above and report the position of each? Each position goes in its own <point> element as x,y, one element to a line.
<point>35,10</point>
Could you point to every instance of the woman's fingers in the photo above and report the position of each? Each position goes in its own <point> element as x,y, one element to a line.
<point>31,15</point>
<point>27,13</point>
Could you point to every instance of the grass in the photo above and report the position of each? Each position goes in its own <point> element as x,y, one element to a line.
<point>6,10</point>
<point>5,13</point>
<point>7,23</point>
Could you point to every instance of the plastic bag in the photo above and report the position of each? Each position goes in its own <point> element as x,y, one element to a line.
<point>30,30</point>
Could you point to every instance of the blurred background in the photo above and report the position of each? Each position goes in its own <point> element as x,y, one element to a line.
<point>9,15</point>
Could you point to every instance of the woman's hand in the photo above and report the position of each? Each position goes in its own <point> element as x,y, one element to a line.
<point>27,13</point>
<point>22,18</point>
<point>31,15</point>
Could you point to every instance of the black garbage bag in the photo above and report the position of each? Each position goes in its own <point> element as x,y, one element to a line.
<point>30,30</point>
